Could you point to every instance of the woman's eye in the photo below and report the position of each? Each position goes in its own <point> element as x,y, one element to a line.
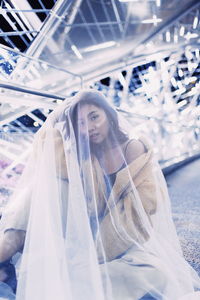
<point>94,117</point>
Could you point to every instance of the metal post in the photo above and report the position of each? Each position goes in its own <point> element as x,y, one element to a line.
<point>52,23</point>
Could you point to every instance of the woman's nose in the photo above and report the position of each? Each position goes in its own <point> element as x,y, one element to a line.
<point>91,126</point>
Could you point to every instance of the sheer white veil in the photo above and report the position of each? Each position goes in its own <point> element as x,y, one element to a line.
<point>97,217</point>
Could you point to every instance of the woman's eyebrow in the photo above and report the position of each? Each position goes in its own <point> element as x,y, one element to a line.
<point>89,114</point>
<point>92,112</point>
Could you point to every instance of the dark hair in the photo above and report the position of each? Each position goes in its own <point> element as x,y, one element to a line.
<point>97,99</point>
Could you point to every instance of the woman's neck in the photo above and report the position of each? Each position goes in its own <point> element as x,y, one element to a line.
<point>103,148</point>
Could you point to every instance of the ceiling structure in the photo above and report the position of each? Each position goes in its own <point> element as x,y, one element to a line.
<point>92,37</point>
<point>49,49</point>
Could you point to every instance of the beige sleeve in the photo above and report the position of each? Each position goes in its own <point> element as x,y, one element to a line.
<point>119,231</point>
<point>147,193</point>
<point>146,186</point>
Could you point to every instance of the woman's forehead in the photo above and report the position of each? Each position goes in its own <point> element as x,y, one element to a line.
<point>87,109</point>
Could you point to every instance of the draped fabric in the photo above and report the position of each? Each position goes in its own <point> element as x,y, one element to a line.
<point>95,212</point>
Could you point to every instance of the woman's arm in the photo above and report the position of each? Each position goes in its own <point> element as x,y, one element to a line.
<point>133,149</point>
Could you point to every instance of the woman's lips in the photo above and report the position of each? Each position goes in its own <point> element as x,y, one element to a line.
<point>94,136</point>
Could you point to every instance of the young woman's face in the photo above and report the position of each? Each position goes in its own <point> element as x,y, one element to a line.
<point>93,122</point>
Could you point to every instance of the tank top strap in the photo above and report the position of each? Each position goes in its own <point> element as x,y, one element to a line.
<point>126,147</point>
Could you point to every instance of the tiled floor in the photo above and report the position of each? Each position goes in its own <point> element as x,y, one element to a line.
<point>184,190</point>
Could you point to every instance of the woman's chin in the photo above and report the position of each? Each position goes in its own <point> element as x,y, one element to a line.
<point>97,141</point>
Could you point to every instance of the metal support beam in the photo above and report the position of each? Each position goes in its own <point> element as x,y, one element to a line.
<point>26,90</point>
<point>21,20</point>
<point>27,101</point>
<point>117,15</point>
<point>35,118</point>
<point>11,33</point>
<point>31,19</point>
<point>108,19</point>
<point>92,36</point>
<point>96,21</point>
<point>39,61</point>
<point>9,117</point>
<point>10,10</point>
<point>52,23</point>
<point>98,24</point>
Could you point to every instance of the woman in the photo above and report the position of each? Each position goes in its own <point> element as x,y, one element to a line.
<point>93,216</point>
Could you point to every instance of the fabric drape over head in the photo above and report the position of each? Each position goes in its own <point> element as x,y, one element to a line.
<point>94,206</point>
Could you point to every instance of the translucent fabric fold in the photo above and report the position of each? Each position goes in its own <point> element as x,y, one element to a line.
<point>94,207</point>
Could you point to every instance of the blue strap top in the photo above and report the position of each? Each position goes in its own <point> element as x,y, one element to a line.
<point>110,180</point>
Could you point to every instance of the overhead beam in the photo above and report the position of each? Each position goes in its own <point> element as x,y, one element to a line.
<point>31,19</point>
<point>51,24</point>
<point>30,102</point>
<point>13,33</point>
<point>26,10</point>
<point>39,61</point>
<point>107,69</point>
<point>23,89</point>
<point>12,116</point>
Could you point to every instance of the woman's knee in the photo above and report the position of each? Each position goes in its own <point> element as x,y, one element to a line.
<point>11,242</point>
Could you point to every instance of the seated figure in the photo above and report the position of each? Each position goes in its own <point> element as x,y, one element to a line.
<point>91,216</point>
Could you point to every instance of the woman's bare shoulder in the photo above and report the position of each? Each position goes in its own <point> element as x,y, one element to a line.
<point>133,149</point>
